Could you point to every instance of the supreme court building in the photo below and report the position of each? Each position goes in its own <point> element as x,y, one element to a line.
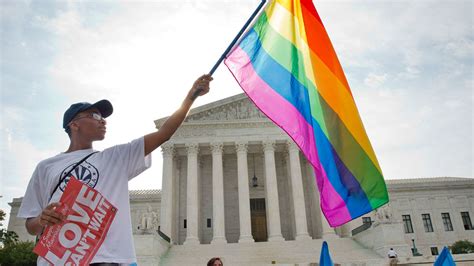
<point>237,187</point>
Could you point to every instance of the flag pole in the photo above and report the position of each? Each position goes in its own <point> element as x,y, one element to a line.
<point>231,45</point>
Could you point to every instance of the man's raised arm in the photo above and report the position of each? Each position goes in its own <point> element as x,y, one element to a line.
<point>155,139</point>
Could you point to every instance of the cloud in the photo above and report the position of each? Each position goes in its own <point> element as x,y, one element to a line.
<point>419,134</point>
<point>134,57</point>
<point>410,68</point>
<point>18,160</point>
<point>374,80</point>
<point>460,49</point>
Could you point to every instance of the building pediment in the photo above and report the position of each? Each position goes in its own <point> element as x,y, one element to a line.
<point>240,108</point>
<point>236,108</point>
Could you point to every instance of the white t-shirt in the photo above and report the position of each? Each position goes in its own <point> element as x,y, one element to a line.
<point>392,254</point>
<point>108,172</point>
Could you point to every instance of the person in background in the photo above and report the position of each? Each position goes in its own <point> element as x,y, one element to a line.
<point>392,256</point>
<point>215,262</point>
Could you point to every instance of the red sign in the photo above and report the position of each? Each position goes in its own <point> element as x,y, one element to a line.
<point>76,240</point>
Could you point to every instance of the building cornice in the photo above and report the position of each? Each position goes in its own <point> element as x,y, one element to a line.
<point>430,183</point>
<point>145,194</point>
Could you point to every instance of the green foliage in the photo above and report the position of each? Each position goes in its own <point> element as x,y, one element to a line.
<point>6,237</point>
<point>462,247</point>
<point>18,253</point>
<point>12,251</point>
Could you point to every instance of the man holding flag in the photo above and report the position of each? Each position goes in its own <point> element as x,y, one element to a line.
<point>106,171</point>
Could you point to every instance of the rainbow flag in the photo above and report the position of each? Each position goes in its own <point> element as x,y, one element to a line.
<point>287,66</point>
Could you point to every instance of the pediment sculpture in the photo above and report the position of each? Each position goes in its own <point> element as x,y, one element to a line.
<point>239,110</point>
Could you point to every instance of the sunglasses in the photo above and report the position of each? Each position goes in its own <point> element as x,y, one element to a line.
<point>93,115</point>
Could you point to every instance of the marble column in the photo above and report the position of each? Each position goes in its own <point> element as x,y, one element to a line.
<point>271,190</point>
<point>345,230</point>
<point>176,202</point>
<point>315,210</point>
<point>192,199</point>
<point>218,195</point>
<point>167,189</point>
<point>328,231</point>
<point>244,198</point>
<point>297,191</point>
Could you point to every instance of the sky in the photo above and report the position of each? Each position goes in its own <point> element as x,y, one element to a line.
<point>409,65</point>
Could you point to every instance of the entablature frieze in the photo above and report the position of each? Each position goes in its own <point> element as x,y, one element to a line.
<point>228,147</point>
<point>225,129</point>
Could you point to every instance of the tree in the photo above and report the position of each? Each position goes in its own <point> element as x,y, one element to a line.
<point>19,253</point>
<point>12,251</point>
<point>462,247</point>
<point>6,237</point>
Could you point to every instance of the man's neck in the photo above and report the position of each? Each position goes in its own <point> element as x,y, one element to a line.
<point>75,146</point>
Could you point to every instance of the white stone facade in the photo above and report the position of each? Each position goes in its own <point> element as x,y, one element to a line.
<point>215,155</point>
<point>209,205</point>
<point>436,197</point>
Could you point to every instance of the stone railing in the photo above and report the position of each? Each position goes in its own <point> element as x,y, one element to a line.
<point>361,228</point>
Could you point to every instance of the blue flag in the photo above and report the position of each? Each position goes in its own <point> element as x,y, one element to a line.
<point>445,258</point>
<point>325,258</point>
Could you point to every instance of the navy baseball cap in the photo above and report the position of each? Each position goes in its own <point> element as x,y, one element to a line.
<point>104,106</point>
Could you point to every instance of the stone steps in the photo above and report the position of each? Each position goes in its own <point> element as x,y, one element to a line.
<point>303,252</point>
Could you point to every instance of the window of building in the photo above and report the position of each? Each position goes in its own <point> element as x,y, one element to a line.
<point>407,224</point>
<point>434,251</point>
<point>448,226</point>
<point>427,222</point>
<point>209,223</point>
<point>184,223</point>
<point>466,220</point>
<point>366,220</point>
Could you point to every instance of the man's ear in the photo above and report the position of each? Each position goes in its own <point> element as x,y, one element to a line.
<point>73,126</point>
